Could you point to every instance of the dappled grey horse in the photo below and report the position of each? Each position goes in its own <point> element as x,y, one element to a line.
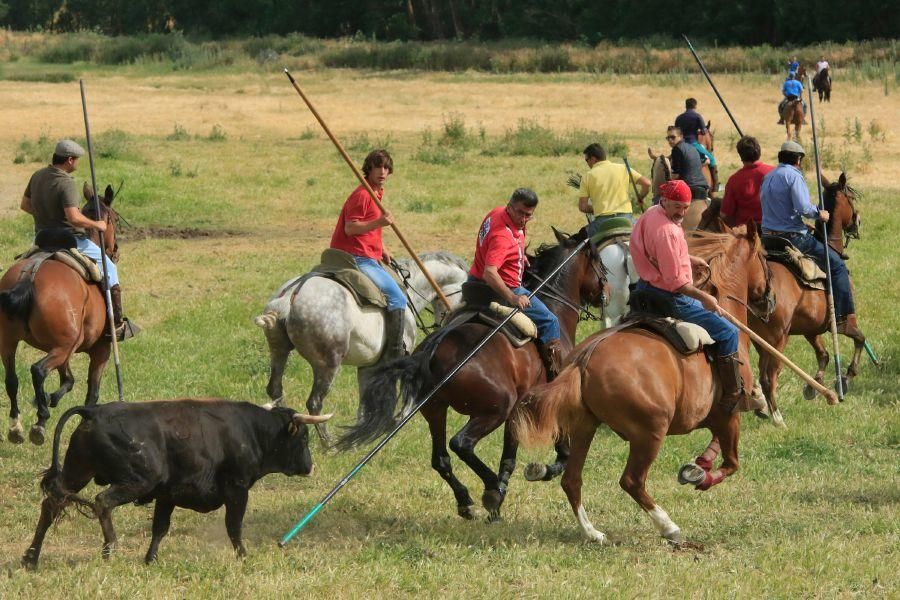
<point>326,326</point>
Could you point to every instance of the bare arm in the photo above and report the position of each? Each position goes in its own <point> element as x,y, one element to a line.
<point>585,206</point>
<point>76,219</point>
<point>26,205</point>
<point>708,301</point>
<point>492,278</point>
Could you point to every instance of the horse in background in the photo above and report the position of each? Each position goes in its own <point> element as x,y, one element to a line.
<point>661,172</point>
<point>821,83</point>
<point>49,306</point>
<point>792,114</point>
<point>708,141</point>
<point>324,324</point>
<point>643,389</point>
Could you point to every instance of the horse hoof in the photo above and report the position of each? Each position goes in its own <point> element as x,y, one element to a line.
<point>465,512</point>
<point>761,414</point>
<point>691,473</point>
<point>809,393</point>
<point>491,500</point>
<point>778,420</point>
<point>29,561</point>
<point>494,517</point>
<point>15,435</point>
<point>674,537</point>
<point>37,435</point>
<point>535,472</point>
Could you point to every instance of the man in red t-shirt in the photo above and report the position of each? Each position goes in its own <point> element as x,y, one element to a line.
<point>741,202</point>
<point>358,232</point>
<point>500,262</point>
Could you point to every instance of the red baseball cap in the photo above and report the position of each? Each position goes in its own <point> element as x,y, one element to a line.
<point>676,190</point>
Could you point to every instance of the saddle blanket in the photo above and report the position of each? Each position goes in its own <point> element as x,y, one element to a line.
<point>519,330</point>
<point>71,257</point>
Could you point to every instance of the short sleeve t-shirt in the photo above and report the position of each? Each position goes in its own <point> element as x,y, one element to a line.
<point>660,252</point>
<point>500,244</point>
<point>51,191</point>
<point>359,207</point>
<point>686,162</point>
<point>607,185</point>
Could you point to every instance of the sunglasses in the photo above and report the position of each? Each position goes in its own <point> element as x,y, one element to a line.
<point>671,137</point>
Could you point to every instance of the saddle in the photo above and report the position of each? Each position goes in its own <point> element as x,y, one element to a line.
<point>611,231</point>
<point>59,245</point>
<point>480,304</point>
<point>652,312</point>
<point>339,266</point>
<point>802,267</point>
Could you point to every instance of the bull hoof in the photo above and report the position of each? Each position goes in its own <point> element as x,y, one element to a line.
<point>15,435</point>
<point>535,472</point>
<point>691,473</point>
<point>809,392</point>
<point>465,512</point>
<point>37,435</point>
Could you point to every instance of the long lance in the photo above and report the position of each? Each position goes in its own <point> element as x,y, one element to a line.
<point>709,79</point>
<point>831,314</point>
<point>637,196</point>
<point>368,187</point>
<point>318,507</point>
<point>109,311</point>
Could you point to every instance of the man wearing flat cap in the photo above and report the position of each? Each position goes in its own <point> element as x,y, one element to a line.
<point>52,199</point>
<point>660,253</point>
<point>785,202</point>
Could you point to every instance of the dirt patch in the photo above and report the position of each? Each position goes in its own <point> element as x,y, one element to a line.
<point>178,233</point>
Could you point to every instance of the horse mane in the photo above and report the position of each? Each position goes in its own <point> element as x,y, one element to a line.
<point>710,246</point>
<point>546,258</point>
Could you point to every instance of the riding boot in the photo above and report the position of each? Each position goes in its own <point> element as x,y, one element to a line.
<point>124,328</point>
<point>846,323</point>
<point>393,335</point>
<point>551,355</point>
<point>729,370</point>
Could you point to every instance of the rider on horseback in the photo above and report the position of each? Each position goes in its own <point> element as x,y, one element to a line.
<point>741,202</point>
<point>792,89</point>
<point>660,254</point>
<point>690,121</point>
<point>686,164</point>
<point>358,232</point>
<point>605,188</point>
<point>51,197</point>
<point>500,262</point>
<point>785,201</point>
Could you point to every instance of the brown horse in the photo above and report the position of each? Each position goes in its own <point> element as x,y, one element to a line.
<point>792,114</point>
<point>708,140</point>
<point>798,310</point>
<point>58,312</point>
<point>488,387</point>
<point>643,389</point>
<point>821,83</point>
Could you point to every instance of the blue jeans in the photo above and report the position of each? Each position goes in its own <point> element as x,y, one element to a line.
<point>396,299</point>
<point>546,321</point>
<point>92,250</point>
<point>840,276</point>
<point>688,309</point>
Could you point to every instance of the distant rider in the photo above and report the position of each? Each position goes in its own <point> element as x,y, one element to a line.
<point>792,90</point>
<point>690,122</point>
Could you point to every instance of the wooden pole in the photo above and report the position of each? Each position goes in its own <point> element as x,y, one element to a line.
<point>368,187</point>
<point>829,395</point>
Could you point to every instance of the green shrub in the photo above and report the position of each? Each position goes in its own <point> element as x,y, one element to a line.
<point>112,144</point>
<point>179,134</point>
<point>44,77</point>
<point>529,138</point>
<point>67,49</point>
<point>216,134</point>
<point>40,150</point>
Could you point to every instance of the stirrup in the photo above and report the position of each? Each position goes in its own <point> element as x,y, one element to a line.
<point>126,330</point>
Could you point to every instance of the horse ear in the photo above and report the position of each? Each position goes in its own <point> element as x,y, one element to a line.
<point>561,237</point>
<point>87,191</point>
<point>650,153</point>
<point>108,195</point>
<point>842,180</point>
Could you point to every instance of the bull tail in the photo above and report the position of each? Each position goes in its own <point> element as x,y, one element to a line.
<point>548,411</point>
<point>50,482</point>
<point>378,405</point>
<point>18,300</point>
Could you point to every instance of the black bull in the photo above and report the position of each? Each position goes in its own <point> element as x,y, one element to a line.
<point>196,454</point>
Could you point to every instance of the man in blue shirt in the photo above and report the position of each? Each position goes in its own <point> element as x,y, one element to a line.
<point>690,122</point>
<point>785,201</point>
<point>792,90</point>
<point>793,66</point>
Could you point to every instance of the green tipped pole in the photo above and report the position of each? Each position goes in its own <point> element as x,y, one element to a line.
<point>331,494</point>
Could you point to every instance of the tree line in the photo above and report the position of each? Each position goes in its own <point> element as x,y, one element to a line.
<point>738,22</point>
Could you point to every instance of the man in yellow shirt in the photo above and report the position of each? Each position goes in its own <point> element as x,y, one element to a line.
<point>605,188</point>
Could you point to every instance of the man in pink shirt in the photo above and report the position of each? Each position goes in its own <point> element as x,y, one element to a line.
<point>660,254</point>
<point>741,202</point>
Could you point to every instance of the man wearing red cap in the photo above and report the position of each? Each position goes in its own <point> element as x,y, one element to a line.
<point>660,254</point>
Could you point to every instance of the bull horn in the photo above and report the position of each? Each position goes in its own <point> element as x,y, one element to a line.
<point>311,419</point>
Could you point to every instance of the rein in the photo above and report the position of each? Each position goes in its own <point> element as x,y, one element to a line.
<point>552,292</point>
<point>405,275</point>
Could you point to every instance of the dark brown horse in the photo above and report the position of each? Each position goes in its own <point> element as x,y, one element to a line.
<point>821,83</point>
<point>60,313</point>
<point>792,114</point>
<point>643,389</point>
<point>488,387</point>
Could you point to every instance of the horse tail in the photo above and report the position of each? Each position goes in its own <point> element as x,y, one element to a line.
<point>18,300</point>
<point>378,405</point>
<point>51,485</point>
<point>546,411</point>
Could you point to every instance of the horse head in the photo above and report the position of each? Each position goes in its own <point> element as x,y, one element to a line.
<point>660,172</point>
<point>843,217</point>
<point>708,139</point>
<point>108,215</point>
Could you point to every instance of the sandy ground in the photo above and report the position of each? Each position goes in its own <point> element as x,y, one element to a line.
<point>260,106</point>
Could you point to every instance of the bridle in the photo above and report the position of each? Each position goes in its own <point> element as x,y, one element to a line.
<point>583,310</point>
<point>405,275</point>
<point>852,230</point>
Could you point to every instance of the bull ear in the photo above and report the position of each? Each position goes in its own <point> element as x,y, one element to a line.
<point>88,192</point>
<point>108,195</point>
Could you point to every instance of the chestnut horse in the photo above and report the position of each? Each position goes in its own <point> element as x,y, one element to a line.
<point>488,387</point>
<point>58,312</point>
<point>792,114</point>
<point>643,389</point>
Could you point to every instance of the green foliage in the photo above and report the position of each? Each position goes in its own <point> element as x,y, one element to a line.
<point>216,134</point>
<point>530,138</point>
<point>40,150</point>
<point>43,77</point>
<point>179,134</point>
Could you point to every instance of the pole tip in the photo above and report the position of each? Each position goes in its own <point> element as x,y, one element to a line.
<point>286,72</point>
<point>281,543</point>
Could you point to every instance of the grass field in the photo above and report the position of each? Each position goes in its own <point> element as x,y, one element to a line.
<point>235,158</point>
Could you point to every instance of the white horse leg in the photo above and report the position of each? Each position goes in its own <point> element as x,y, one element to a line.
<point>590,533</point>
<point>664,525</point>
<point>16,433</point>
<point>613,258</point>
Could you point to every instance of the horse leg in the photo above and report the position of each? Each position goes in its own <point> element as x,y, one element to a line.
<point>769,368</point>
<point>39,370</point>
<point>99,358</point>
<point>66,381</point>
<point>436,415</point>
<point>16,434</point>
<point>728,433</point>
<point>641,455</point>
<point>279,350</point>
<point>463,444</point>
<point>542,472</point>
<point>507,460</point>
<point>815,341</point>
<point>695,472</point>
<point>852,330</point>
<point>323,377</point>
<point>580,441</point>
